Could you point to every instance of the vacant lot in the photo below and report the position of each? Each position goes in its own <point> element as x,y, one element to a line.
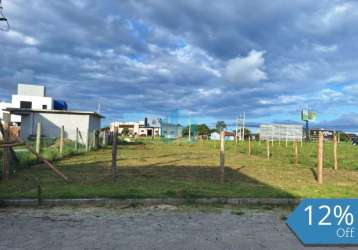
<point>154,169</point>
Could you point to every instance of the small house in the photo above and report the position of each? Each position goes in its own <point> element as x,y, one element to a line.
<point>52,121</point>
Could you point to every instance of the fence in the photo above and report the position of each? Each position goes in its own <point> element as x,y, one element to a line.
<point>40,147</point>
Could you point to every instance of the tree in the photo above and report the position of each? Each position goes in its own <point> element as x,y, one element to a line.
<point>220,125</point>
<point>125,131</point>
<point>343,136</point>
<point>203,129</point>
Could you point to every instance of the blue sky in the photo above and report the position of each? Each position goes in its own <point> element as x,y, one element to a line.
<point>212,60</point>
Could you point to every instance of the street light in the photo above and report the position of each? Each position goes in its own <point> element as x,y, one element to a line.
<point>4,23</point>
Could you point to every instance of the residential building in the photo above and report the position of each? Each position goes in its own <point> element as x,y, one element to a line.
<point>152,127</point>
<point>30,97</point>
<point>52,121</point>
<point>229,136</point>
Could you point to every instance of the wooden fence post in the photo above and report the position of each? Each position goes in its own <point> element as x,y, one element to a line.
<point>77,139</point>
<point>62,142</point>
<point>96,139</point>
<point>104,139</point>
<point>222,156</point>
<point>88,141</point>
<point>249,146</point>
<point>268,149</point>
<point>320,159</point>
<point>296,152</point>
<point>114,153</point>
<point>5,165</point>
<point>335,158</point>
<point>38,138</point>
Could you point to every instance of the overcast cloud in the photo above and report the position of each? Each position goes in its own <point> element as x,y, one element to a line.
<point>213,59</point>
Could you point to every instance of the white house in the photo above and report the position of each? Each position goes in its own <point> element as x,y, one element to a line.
<point>150,127</point>
<point>28,97</point>
<point>52,120</point>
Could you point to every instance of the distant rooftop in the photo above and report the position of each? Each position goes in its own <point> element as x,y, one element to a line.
<point>19,111</point>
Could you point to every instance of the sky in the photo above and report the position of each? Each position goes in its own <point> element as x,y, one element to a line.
<point>207,60</point>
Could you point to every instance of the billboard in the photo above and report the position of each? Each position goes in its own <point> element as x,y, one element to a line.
<point>307,115</point>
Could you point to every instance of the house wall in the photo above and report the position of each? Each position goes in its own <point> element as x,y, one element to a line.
<point>52,122</point>
<point>30,89</point>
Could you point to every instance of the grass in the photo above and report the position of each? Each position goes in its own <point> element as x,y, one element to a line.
<point>153,169</point>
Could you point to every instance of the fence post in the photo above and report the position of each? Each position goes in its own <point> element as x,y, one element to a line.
<point>38,138</point>
<point>62,135</point>
<point>5,165</point>
<point>335,151</point>
<point>222,156</point>
<point>87,141</point>
<point>320,159</point>
<point>77,138</point>
<point>114,153</point>
<point>96,139</point>
<point>104,142</point>
<point>296,152</point>
<point>249,146</point>
<point>268,149</point>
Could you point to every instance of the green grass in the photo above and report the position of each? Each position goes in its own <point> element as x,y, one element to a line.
<point>153,169</point>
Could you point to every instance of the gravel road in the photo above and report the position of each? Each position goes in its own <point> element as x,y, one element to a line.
<point>160,227</point>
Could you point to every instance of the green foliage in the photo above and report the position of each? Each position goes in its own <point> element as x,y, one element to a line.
<point>220,125</point>
<point>125,131</point>
<point>343,136</point>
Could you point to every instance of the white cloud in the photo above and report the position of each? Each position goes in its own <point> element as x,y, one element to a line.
<point>209,92</point>
<point>330,95</point>
<point>325,49</point>
<point>19,37</point>
<point>282,99</point>
<point>248,69</point>
<point>296,71</point>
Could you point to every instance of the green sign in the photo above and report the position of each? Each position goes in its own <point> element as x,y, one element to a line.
<point>307,115</point>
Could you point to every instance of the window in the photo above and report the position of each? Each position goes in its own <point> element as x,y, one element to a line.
<point>25,105</point>
<point>44,106</point>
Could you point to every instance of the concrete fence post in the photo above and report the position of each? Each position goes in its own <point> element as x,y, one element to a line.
<point>38,138</point>
<point>62,140</point>
<point>335,157</point>
<point>296,152</point>
<point>320,159</point>
<point>114,154</point>
<point>249,146</point>
<point>222,156</point>
<point>77,139</point>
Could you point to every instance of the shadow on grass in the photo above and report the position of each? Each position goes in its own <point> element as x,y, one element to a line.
<point>146,181</point>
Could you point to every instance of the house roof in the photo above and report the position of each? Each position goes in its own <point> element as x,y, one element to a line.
<point>19,111</point>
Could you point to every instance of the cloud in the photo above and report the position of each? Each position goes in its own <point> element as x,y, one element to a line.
<point>155,56</point>
<point>18,37</point>
<point>246,70</point>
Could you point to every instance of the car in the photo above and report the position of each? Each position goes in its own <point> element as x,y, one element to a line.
<point>355,141</point>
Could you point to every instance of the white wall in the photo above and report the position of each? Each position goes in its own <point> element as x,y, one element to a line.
<point>52,122</point>
<point>37,101</point>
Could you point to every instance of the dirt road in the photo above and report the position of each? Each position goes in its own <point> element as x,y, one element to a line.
<point>163,227</point>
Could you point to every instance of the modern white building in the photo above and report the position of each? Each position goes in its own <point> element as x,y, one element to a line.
<point>28,97</point>
<point>52,121</point>
<point>150,127</point>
